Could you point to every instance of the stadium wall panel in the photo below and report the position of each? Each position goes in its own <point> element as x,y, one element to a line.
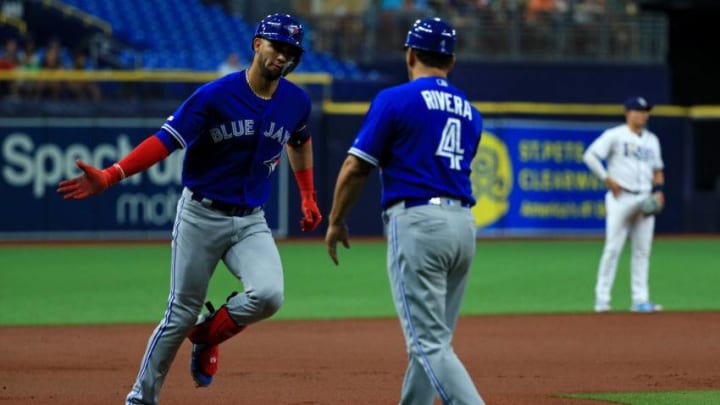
<point>530,180</point>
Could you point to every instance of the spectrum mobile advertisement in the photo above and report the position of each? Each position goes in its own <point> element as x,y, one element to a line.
<point>37,154</point>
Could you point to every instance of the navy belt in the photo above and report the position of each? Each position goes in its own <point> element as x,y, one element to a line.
<point>447,201</point>
<point>629,191</point>
<point>229,209</point>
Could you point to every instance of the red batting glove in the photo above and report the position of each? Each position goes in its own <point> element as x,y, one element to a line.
<point>311,213</point>
<point>93,181</point>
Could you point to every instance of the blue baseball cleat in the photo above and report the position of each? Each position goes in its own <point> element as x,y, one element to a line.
<point>203,363</point>
<point>646,307</point>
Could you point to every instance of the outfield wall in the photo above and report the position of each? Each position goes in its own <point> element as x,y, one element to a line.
<point>528,175</point>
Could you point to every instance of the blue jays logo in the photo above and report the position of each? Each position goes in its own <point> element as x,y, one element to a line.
<point>293,29</point>
<point>272,163</point>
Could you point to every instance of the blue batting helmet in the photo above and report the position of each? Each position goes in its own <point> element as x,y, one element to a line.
<point>432,34</point>
<point>281,28</point>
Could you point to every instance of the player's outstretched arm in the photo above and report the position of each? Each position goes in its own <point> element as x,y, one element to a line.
<point>94,181</point>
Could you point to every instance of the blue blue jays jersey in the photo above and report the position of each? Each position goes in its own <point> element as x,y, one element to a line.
<point>423,135</point>
<point>234,139</point>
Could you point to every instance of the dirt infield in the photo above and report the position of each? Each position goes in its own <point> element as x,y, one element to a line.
<point>515,360</point>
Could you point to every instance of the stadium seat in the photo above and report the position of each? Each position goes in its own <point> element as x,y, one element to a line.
<point>148,27</point>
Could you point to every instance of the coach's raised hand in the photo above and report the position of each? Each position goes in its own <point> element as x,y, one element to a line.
<point>93,181</point>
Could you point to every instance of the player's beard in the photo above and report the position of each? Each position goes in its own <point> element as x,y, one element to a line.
<point>268,74</point>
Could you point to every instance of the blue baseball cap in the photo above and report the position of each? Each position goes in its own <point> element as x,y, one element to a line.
<point>432,34</point>
<point>637,103</point>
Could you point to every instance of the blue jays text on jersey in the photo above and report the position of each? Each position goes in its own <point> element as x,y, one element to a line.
<point>229,130</point>
<point>234,139</point>
<point>423,135</point>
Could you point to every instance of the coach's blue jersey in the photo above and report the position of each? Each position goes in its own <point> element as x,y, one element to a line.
<point>423,135</point>
<point>234,139</point>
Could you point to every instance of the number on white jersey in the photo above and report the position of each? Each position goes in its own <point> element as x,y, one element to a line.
<point>450,146</point>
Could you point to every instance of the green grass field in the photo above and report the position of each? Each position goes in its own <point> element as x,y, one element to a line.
<point>71,284</point>
<point>657,398</point>
<point>74,284</point>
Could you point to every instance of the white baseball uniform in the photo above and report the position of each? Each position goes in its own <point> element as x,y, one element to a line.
<point>631,160</point>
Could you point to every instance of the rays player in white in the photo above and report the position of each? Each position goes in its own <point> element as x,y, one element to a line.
<point>634,171</point>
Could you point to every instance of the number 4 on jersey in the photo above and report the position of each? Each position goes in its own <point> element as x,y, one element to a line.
<point>450,146</point>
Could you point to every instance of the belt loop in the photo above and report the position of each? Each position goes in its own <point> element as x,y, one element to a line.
<point>206,202</point>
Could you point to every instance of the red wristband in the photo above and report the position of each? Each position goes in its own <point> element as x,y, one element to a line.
<point>149,152</point>
<point>114,174</point>
<point>305,180</point>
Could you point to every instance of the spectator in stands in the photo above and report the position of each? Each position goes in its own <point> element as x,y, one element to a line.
<point>29,61</point>
<point>395,16</point>
<point>370,24</point>
<point>9,60</point>
<point>587,16</point>
<point>543,19</point>
<point>466,16</point>
<point>391,4</point>
<point>623,24</point>
<point>51,60</point>
<point>539,10</point>
<point>82,89</point>
<point>231,64</point>
<point>589,11</point>
<point>29,57</point>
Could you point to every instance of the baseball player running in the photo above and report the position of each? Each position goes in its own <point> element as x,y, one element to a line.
<point>423,135</point>
<point>634,171</point>
<point>234,130</point>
